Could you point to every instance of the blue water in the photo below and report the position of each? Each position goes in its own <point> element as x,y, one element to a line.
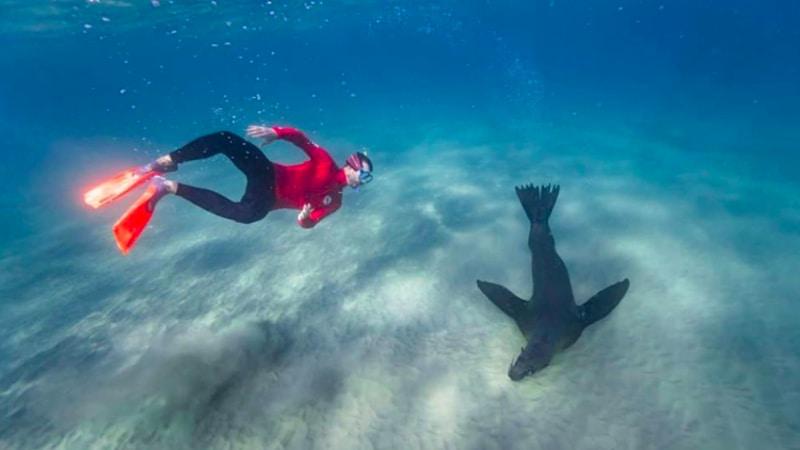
<point>671,127</point>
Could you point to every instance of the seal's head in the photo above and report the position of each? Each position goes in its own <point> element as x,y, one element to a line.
<point>530,359</point>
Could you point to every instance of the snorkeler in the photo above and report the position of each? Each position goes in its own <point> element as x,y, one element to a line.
<point>314,187</point>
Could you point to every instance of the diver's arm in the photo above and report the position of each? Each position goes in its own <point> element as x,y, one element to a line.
<point>293,135</point>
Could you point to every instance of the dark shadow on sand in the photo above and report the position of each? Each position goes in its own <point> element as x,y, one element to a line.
<point>215,255</point>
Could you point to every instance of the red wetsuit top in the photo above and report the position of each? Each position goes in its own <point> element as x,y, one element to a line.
<point>317,181</point>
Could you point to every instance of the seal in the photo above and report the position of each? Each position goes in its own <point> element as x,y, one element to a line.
<point>550,320</point>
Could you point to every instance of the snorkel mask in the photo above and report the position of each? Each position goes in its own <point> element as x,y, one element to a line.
<point>359,162</point>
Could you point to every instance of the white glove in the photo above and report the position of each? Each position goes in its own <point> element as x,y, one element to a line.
<point>305,213</point>
<point>266,134</point>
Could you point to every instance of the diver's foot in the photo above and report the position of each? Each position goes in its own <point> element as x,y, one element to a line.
<point>162,187</point>
<point>163,164</point>
<point>165,185</point>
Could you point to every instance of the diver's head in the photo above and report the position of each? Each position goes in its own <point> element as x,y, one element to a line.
<point>358,169</point>
<point>528,362</point>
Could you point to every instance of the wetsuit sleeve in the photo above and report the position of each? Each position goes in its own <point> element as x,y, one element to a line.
<point>299,139</point>
<point>318,214</point>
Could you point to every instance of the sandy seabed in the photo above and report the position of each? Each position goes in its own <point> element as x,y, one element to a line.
<point>369,333</point>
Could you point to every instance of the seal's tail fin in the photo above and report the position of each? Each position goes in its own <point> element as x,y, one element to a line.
<point>602,303</point>
<point>537,201</point>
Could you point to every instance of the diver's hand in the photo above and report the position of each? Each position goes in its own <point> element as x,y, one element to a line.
<point>305,213</point>
<point>266,134</point>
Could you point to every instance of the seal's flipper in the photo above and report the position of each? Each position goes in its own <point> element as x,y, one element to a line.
<point>503,298</point>
<point>603,302</point>
<point>537,201</point>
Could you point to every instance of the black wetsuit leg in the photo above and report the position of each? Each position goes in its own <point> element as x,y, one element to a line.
<point>259,195</point>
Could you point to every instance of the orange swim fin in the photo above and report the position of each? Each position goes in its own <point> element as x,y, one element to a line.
<point>117,186</point>
<point>131,225</point>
